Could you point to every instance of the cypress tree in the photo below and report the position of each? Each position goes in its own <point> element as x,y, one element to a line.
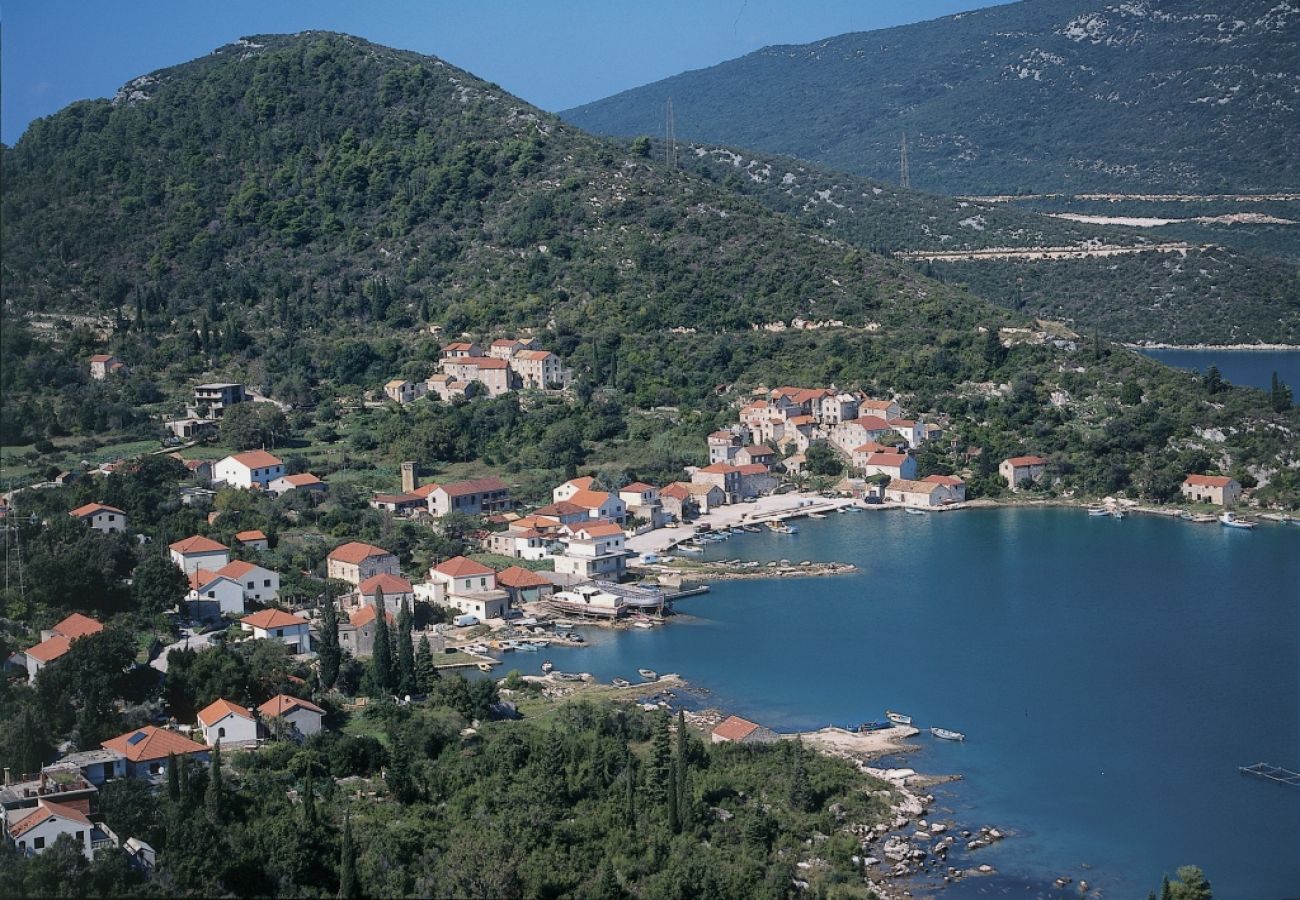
<point>214,801</point>
<point>309,803</point>
<point>674,814</point>
<point>629,799</point>
<point>679,770</point>
<point>405,651</point>
<point>329,652</point>
<point>381,661</point>
<point>173,779</point>
<point>661,761</point>
<point>426,672</point>
<point>348,886</point>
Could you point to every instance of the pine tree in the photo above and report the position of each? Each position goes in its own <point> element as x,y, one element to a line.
<point>629,798</point>
<point>381,660</point>
<point>1213,380</point>
<point>183,767</point>
<point>426,671</point>
<point>348,886</point>
<point>215,801</point>
<point>1279,395</point>
<point>405,651</point>
<point>173,779</point>
<point>328,650</point>
<point>800,792</point>
<point>661,761</point>
<point>309,803</point>
<point>679,769</point>
<point>674,814</point>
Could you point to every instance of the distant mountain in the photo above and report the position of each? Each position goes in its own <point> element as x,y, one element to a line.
<point>1048,95</point>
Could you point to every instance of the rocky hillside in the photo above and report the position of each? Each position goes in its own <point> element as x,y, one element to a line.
<point>1048,95</point>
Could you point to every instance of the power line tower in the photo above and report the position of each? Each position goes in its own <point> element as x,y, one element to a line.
<point>670,152</point>
<point>904,174</point>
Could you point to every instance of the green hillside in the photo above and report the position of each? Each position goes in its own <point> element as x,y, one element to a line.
<point>1050,95</point>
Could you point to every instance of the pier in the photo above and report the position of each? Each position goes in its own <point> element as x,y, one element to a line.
<point>1272,773</point>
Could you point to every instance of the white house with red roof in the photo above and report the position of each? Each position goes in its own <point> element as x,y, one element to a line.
<point>883,409</point>
<point>212,595</point>
<point>103,365</point>
<point>954,487</point>
<point>145,750</point>
<point>246,470</point>
<point>909,430</point>
<point>915,493</point>
<point>354,562</point>
<point>496,375</point>
<point>58,640</point>
<point>1019,469</point>
<point>593,550</point>
<point>504,348</point>
<point>572,486</point>
<point>101,517</point>
<point>735,730</point>
<point>303,481</point>
<point>520,543</point>
<point>482,496</point>
<point>600,505</point>
<point>724,445</point>
<point>34,830</point>
<point>1217,489</point>
<point>198,552</point>
<point>260,584</point>
<point>468,586</point>
<point>564,512</point>
<point>461,350</point>
<point>856,432</point>
<point>302,716</point>
<point>642,502</point>
<point>253,539</point>
<point>523,585</point>
<point>278,625</point>
<point>228,723</point>
<point>895,465</point>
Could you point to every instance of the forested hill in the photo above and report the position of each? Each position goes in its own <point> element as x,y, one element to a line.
<point>1043,95</point>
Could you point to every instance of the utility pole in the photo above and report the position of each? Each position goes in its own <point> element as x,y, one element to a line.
<point>670,152</point>
<point>904,174</point>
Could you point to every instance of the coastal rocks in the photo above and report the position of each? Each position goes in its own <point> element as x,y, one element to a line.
<point>896,849</point>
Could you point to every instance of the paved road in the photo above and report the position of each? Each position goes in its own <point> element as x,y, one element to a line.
<point>188,639</point>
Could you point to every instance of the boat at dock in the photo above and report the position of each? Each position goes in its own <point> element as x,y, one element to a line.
<point>868,727</point>
<point>1117,513</point>
<point>1098,511</point>
<point>621,683</point>
<point>485,667</point>
<point>689,548</point>
<point>648,674</point>
<point>817,515</point>
<point>1230,520</point>
<point>914,511</point>
<point>946,734</point>
<point>898,718</point>
<point>547,666</point>
<point>752,529</point>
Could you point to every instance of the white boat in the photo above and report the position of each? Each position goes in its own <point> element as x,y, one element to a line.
<point>485,667</point>
<point>690,548</point>
<point>1230,520</point>
<point>945,734</point>
<point>1117,513</point>
<point>621,683</point>
<point>643,625</point>
<point>898,718</point>
<point>816,515</point>
<point>648,674</point>
<point>1098,511</point>
<point>914,511</point>
<point>547,666</point>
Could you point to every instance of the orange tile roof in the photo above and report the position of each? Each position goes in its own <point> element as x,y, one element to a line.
<point>676,491</point>
<point>257,459</point>
<point>589,499</point>
<point>44,811</point>
<point>875,404</point>
<point>254,535</point>
<point>100,357</point>
<point>562,508</point>
<point>272,618</point>
<point>365,615</point>
<point>218,709</point>
<point>462,567</point>
<point>597,529</point>
<point>734,728</point>
<point>1208,480</point>
<point>151,742</point>
<point>355,552</point>
<point>197,544</point>
<point>458,345</point>
<point>752,469</point>
<point>871,423</point>
<point>283,703</point>
<point>50,650</point>
<point>77,625</point>
<point>91,508</point>
<point>584,483</point>
<point>518,577</point>
<point>902,423</point>
<point>534,354</point>
<point>303,479</point>
<point>722,436</point>
<point>636,487</point>
<point>203,577</point>
<point>886,459</point>
<point>950,480</point>
<point>389,584</point>
<point>424,490</point>
<point>538,522</point>
<point>1020,461</point>
<point>872,447</point>
<point>719,469</point>
<point>483,362</point>
<point>759,450</point>
<point>477,486</point>
<point>238,569</point>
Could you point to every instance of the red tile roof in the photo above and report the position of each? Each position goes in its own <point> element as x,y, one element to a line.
<point>50,650</point>
<point>520,578</point>
<point>462,567</point>
<point>636,487</point>
<point>590,500</point>
<point>44,811</point>
<point>202,577</point>
<point>734,728</point>
<point>365,615</point>
<point>283,703</point>
<point>1020,461</point>
<point>77,625</point>
<point>719,469</point>
<point>534,354</point>
<point>722,436</point>
<point>257,459</point>
<point>752,469</point>
<point>873,447</point>
<point>218,709</point>
<point>304,479</point>
<point>389,584</point>
<point>597,529</point>
<point>871,423</point>
<point>676,491</point>
<point>237,569</point>
<point>151,742</point>
<point>1218,481</point>
<point>875,404</point>
<point>91,508</point>
<point>272,618</point>
<point>949,480</point>
<point>562,508</point>
<point>483,362</point>
<point>583,483</point>
<point>477,486</point>
<point>197,544</point>
<point>886,459</point>
<point>759,450</point>
<point>355,552</point>
<point>254,535</point>
<point>100,357</point>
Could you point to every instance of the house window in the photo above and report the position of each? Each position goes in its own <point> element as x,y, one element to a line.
<point>39,843</point>
<point>221,732</point>
<point>81,837</point>
<point>279,632</point>
<point>266,583</point>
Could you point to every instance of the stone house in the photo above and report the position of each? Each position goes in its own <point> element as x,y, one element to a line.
<point>1217,489</point>
<point>736,730</point>
<point>482,496</point>
<point>1019,469</point>
<point>277,625</point>
<point>354,562</point>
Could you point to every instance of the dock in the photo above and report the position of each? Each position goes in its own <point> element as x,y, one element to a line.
<point>687,592</point>
<point>1272,773</point>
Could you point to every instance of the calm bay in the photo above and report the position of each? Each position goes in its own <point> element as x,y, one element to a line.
<point>1111,676</point>
<point>1250,368</point>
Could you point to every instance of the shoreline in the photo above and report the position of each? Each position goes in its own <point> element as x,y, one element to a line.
<point>1148,345</point>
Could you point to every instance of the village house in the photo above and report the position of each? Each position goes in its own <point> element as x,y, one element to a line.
<point>227,723</point>
<point>600,505</point>
<point>199,552</point>
<point>461,350</point>
<point>909,430</point>
<point>915,493</point>
<point>449,388</point>
<point>676,501</point>
<point>593,550</point>
<point>467,586</point>
<point>856,432</point>
<point>102,365</point>
<point>523,585</point>
<point>191,428</point>
<point>405,504</point>
<point>895,465</point>
<point>496,375</point>
<point>212,400</point>
<point>954,487</point>
<point>505,348</point>
<point>755,454</point>
<point>304,481</point>
<point>101,517</point>
<point>394,588</point>
<point>212,596</point>
<point>837,408</point>
<point>483,496</point>
<point>244,470</point>
<point>300,716</point>
<point>724,445</point>
<point>794,464</point>
<point>539,369</point>
<point>564,512</point>
<point>57,641</point>
<point>736,730</point>
<point>764,421</point>
<point>260,585</point>
<point>756,480</point>
<point>882,409</point>
<point>520,543</point>
<point>1217,489</point>
<point>357,633</point>
<point>34,830</point>
<point>641,502</point>
<point>145,751</point>
<point>277,625</point>
<point>799,432</point>
<point>253,539</point>
<point>354,562</point>
<point>723,476</point>
<point>200,469</point>
<point>401,391</point>
<point>1019,469</point>
<point>572,486</point>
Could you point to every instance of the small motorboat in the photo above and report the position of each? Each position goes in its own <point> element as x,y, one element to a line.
<point>1117,513</point>
<point>547,666</point>
<point>1230,520</point>
<point>1098,511</point>
<point>816,515</point>
<point>898,718</point>
<point>690,548</point>
<point>621,683</point>
<point>752,529</point>
<point>485,667</point>
<point>945,734</point>
<point>868,727</point>
<point>914,511</point>
<point>643,625</point>
<point>648,674</point>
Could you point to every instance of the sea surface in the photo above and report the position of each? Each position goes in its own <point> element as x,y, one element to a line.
<point>1251,368</point>
<point>1110,675</point>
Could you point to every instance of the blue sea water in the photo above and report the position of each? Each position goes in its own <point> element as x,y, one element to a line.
<point>1110,675</point>
<point>1251,368</point>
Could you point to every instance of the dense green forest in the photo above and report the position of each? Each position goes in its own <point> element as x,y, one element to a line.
<point>1049,95</point>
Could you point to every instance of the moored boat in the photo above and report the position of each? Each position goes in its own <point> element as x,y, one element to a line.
<point>898,718</point>
<point>547,666</point>
<point>1230,520</point>
<point>947,734</point>
<point>867,727</point>
<point>648,674</point>
<point>1098,511</point>
<point>913,511</point>
<point>1117,513</point>
<point>752,529</point>
<point>621,683</point>
<point>485,667</point>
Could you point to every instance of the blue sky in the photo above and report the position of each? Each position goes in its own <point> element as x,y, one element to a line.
<point>554,54</point>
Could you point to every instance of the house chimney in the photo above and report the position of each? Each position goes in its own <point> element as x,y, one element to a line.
<point>410,480</point>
